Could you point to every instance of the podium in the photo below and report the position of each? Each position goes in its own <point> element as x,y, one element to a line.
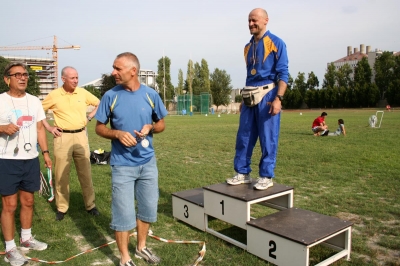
<point>283,238</point>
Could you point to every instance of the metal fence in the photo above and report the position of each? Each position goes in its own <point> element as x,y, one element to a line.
<point>189,104</point>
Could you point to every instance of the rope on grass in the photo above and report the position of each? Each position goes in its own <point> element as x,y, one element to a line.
<point>202,252</point>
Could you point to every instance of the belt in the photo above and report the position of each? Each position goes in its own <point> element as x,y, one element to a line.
<point>265,87</point>
<point>73,131</point>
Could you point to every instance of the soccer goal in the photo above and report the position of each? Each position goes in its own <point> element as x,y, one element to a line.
<point>375,119</point>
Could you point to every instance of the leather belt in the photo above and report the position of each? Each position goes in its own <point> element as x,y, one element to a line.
<point>73,131</point>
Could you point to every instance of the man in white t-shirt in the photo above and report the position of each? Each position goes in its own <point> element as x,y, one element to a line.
<point>21,128</point>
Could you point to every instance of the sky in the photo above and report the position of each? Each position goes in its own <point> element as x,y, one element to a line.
<point>316,32</point>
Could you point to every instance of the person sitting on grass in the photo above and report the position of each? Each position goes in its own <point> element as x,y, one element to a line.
<point>340,130</point>
<point>319,127</point>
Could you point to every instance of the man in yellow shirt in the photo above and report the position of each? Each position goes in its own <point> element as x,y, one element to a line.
<point>69,104</point>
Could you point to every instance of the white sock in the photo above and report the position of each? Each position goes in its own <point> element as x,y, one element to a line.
<point>26,234</point>
<point>10,245</point>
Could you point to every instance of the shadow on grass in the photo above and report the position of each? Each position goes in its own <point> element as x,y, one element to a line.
<point>165,203</point>
<point>89,225</point>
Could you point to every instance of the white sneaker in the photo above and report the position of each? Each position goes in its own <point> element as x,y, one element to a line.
<point>32,244</point>
<point>15,258</point>
<point>239,179</point>
<point>263,183</point>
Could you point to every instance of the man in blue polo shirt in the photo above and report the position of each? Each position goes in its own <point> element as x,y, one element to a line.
<point>134,112</point>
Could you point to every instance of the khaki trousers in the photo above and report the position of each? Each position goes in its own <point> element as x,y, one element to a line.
<point>67,147</point>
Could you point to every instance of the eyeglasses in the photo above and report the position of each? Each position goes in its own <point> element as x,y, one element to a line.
<point>19,75</point>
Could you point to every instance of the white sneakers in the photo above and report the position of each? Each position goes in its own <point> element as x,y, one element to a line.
<point>262,182</point>
<point>239,179</point>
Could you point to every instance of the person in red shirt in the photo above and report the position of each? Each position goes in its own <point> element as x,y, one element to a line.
<point>319,127</point>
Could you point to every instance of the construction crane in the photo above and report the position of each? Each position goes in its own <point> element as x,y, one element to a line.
<point>53,48</point>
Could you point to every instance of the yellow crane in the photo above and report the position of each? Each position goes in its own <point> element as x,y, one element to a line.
<point>54,48</point>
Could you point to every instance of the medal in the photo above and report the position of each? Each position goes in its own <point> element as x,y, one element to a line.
<point>253,71</point>
<point>145,143</point>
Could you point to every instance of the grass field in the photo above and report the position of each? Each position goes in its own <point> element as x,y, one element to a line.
<point>354,178</point>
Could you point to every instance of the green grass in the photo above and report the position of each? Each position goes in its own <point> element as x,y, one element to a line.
<point>355,178</point>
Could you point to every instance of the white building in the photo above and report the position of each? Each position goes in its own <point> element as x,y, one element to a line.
<point>45,71</point>
<point>146,77</point>
<point>353,57</point>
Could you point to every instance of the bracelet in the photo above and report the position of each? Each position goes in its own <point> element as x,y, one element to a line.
<point>46,151</point>
<point>89,118</point>
<point>151,130</point>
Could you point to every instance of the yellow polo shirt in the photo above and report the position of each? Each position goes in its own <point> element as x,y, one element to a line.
<point>69,109</point>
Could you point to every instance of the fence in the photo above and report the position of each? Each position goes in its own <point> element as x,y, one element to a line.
<point>187,104</point>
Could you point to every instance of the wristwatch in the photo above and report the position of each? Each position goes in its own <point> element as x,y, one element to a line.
<point>89,118</point>
<point>280,97</point>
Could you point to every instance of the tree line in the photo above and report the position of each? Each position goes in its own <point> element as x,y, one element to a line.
<point>198,80</point>
<point>348,88</point>
<point>33,84</point>
<point>341,88</point>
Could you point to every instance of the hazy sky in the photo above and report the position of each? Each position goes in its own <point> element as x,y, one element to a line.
<point>315,31</point>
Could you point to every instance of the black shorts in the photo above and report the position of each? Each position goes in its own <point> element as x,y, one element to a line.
<point>19,175</point>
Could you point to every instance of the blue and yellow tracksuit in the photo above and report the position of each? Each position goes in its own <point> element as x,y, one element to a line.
<point>270,61</point>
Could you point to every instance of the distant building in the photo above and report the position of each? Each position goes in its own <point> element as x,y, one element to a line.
<point>45,71</point>
<point>95,83</point>
<point>353,57</point>
<point>146,77</point>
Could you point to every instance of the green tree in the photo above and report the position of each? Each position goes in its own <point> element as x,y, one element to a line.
<point>3,63</point>
<point>180,87</point>
<point>164,79</point>
<point>205,76</point>
<point>393,92</point>
<point>300,84</point>
<point>33,84</point>
<point>196,83</point>
<point>343,76</point>
<point>238,98</point>
<point>220,85</point>
<point>312,98</point>
<point>312,81</point>
<point>92,89</point>
<point>362,72</point>
<point>384,70</point>
<point>107,82</point>
<point>290,82</point>
<point>293,99</point>
<point>330,77</point>
<point>189,77</point>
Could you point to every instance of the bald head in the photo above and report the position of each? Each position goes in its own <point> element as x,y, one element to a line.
<point>70,78</point>
<point>259,11</point>
<point>258,20</point>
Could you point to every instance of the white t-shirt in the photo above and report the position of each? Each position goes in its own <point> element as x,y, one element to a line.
<point>24,112</point>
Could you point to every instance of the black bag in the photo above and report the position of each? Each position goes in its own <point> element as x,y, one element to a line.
<point>102,158</point>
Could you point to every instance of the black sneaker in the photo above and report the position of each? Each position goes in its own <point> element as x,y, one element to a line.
<point>94,211</point>
<point>59,215</point>
<point>147,256</point>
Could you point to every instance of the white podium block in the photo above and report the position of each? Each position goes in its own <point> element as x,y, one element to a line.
<point>285,238</point>
<point>232,204</point>
<point>187,206</point>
